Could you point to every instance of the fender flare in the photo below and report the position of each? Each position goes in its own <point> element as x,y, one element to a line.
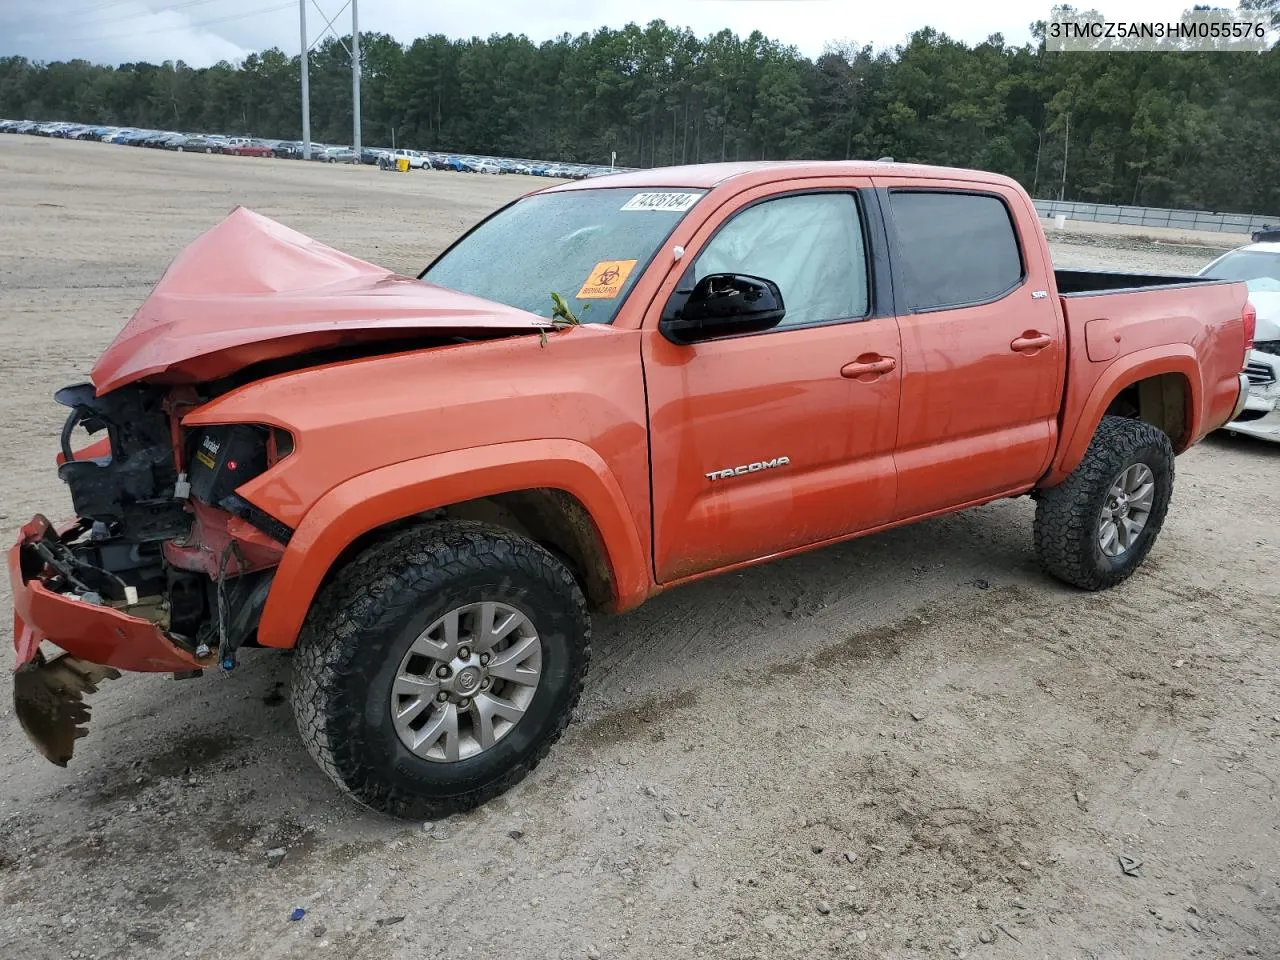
<point>1124,372</point>
<point>401,490</point>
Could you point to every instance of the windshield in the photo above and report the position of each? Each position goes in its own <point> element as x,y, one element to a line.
<point>1259,268</point>
<point>587,246</point>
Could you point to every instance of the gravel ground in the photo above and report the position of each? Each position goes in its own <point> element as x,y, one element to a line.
<point>912,745</point>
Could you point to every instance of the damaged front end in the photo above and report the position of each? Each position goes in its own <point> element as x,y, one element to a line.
<point>166,569</point>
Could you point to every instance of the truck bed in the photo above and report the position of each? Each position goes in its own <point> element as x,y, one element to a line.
<point>1077,283</point>
<point>1114,316</point>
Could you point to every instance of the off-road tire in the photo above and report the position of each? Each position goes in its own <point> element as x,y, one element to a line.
<point>1067,516</point>
<point>364,621</point>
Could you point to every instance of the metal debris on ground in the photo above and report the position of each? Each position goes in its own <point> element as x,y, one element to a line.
<point>1005,930</point>
<point>1129,866</point>
<point>388,921</point>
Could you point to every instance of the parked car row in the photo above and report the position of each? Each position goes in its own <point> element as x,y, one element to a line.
<point>466,163</point>
<point>293,150</point>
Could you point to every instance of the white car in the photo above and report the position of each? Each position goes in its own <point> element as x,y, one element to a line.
<point>1258,264</point>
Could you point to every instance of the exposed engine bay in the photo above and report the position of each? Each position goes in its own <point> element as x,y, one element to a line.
<point>161,532</point>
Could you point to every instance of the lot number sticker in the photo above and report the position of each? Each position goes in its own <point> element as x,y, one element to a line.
<point>662,202</point>
<point>606,279</point>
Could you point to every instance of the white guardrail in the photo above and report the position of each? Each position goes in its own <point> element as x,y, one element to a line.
<point>1155,216</point>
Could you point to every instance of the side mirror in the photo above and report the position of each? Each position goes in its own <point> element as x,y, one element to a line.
<point>724,304</point>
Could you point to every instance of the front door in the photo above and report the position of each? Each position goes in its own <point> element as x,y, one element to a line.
<point>983,357</point>
<point>771,441</point>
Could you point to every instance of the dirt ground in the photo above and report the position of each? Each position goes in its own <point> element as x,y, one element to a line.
<point>912,745</point>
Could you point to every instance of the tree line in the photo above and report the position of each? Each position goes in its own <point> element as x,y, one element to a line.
<point>1195,130</point>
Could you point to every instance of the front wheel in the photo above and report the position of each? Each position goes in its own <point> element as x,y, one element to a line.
<point>1096,527</point>
<point>439,667</point>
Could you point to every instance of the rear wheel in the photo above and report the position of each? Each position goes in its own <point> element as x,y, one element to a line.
<point>438,668</point>
<point>1096,527</point>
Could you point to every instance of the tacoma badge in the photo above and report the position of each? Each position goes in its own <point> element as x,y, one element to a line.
<point>748,468</point>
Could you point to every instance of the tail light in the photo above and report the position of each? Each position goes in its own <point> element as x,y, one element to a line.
<point>1250,318</point>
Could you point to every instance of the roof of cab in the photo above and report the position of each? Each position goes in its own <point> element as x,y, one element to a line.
<point>708,175</point>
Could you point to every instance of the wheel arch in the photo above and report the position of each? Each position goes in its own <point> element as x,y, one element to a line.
<point>1160,386</point>
<point>1163,400</point>
<point>559,493</point>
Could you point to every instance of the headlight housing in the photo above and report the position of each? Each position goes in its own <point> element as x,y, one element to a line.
<point>224,457</point>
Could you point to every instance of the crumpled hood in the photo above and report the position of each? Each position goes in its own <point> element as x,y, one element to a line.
<point>251,289</point>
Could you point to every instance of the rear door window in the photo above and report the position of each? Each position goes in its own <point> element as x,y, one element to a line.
<point>953,249</point>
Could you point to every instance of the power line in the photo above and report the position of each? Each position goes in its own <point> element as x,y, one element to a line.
<point>114,18</point>
<point>99,6</point>
<point>90,38</point>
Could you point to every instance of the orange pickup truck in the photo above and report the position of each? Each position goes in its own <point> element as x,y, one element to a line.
<point>603,390</point>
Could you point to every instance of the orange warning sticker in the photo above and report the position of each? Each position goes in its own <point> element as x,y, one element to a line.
<point>606,279</point>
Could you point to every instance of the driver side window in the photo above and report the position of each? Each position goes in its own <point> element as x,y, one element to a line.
<point>810,245</point>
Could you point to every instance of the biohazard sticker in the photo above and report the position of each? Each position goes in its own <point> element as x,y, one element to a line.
<point>606,279</point>
<point>662,202</point>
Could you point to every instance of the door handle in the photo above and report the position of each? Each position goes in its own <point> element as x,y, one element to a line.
<point>869,365</point>
<point>1030,342</point>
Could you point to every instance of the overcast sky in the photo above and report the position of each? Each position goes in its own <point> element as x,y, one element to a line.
<point>205,31</point>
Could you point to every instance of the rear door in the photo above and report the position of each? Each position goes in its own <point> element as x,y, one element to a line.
<point>770,441</point>
<point>983,347</point>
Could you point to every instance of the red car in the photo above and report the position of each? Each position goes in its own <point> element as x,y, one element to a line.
<point>244,147</point>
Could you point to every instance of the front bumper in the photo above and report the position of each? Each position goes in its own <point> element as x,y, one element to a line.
<point>94,633</point>
<point>1257,412</point>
